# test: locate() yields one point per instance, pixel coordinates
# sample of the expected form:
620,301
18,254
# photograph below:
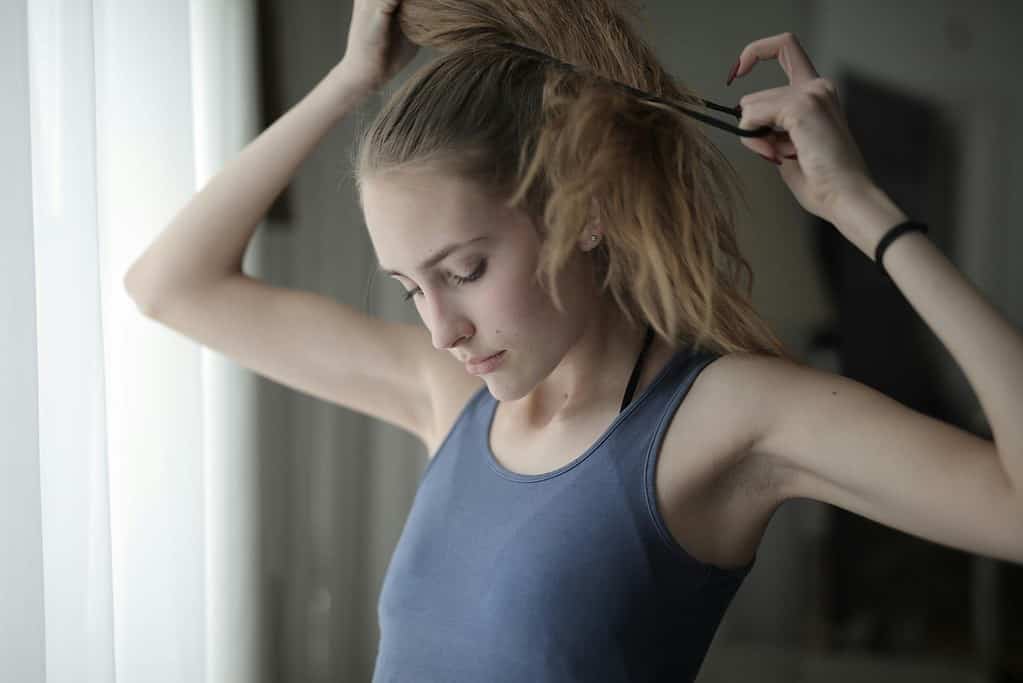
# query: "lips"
480,359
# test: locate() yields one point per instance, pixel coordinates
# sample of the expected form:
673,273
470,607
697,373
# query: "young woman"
610,423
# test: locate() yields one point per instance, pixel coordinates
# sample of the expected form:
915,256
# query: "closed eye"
472,277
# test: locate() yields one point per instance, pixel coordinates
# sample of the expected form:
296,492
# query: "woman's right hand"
377,47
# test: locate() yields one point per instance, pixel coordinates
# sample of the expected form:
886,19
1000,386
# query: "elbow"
137,295
130,282
131,289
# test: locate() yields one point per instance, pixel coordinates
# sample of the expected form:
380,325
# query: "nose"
447,326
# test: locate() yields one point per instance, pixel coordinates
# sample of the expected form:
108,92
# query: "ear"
595,227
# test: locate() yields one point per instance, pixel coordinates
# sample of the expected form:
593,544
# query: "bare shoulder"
726,408
716,493
450,388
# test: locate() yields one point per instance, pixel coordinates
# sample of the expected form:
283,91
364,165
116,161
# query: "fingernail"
766,158
793,156
735,69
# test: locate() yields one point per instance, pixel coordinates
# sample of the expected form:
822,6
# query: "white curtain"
129,549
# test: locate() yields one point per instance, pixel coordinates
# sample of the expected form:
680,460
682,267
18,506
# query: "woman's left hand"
828,164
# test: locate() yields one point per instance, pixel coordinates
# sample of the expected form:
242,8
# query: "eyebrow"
438,257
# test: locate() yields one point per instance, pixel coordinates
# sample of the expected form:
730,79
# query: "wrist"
865,216
346,86
357,75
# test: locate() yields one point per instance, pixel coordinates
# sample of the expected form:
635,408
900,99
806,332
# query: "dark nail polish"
735,69
791,156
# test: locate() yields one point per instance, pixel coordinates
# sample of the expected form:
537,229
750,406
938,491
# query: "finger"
782,144
774,145
779,143
765,110
768,94
786,49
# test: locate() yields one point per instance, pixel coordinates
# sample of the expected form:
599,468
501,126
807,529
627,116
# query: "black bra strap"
635,370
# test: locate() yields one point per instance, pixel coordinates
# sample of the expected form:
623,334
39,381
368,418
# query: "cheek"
508,303
513,309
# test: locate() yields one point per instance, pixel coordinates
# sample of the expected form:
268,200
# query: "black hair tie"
890,237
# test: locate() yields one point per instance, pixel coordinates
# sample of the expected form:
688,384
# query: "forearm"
981,340
208,237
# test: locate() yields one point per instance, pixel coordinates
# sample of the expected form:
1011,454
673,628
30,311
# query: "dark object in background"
272,105
892,592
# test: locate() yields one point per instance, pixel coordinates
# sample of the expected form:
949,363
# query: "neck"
592,375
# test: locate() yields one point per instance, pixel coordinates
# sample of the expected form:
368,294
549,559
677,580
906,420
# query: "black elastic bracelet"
890,237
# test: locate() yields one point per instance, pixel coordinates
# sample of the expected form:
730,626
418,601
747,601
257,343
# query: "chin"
501,391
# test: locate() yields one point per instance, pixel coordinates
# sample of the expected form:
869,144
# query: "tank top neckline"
491,411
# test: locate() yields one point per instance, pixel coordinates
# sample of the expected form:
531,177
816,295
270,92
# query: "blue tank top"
571,575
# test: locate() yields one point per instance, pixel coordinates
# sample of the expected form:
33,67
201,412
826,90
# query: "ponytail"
570,147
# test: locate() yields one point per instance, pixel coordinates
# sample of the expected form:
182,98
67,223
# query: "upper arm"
316,345
836,440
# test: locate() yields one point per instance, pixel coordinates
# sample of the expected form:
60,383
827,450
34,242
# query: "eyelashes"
472,277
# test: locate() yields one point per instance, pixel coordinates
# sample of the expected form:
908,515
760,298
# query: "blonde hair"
561,144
